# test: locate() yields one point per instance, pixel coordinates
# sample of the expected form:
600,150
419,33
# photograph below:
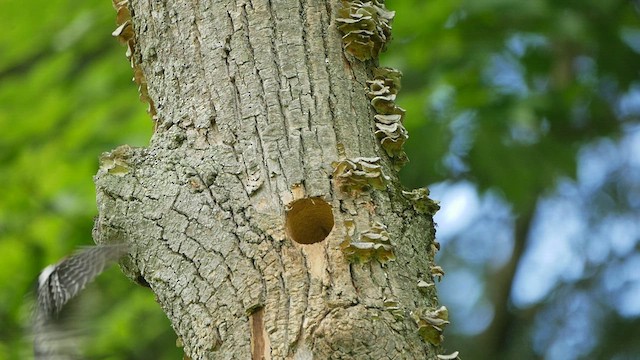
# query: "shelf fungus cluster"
392,305
421,201
359,174
437,272
366,27
388,119
125,35
431,323
371,244
116,162
452,356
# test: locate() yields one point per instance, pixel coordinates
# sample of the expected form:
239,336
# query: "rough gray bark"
254,100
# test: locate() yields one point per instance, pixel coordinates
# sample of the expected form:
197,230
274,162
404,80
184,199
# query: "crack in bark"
273,51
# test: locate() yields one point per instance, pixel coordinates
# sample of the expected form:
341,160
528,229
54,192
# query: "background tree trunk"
253,103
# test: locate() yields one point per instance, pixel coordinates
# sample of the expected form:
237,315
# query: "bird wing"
68,277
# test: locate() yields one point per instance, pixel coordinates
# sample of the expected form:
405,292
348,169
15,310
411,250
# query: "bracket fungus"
431,323
371,244
437,272
421,201
388,120
125,35
452,356
359,174
424,286
366,27
393,306
115,162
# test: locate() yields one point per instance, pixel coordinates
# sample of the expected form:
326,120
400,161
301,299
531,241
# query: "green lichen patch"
372,244
358,175
421,201
366,27
431,323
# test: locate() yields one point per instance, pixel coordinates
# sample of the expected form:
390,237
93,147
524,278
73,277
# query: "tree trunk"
264,214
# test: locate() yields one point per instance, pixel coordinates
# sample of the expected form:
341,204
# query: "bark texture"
254,101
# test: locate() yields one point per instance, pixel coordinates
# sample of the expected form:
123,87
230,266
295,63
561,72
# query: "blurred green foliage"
523,82
502,92
66,97
508,94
